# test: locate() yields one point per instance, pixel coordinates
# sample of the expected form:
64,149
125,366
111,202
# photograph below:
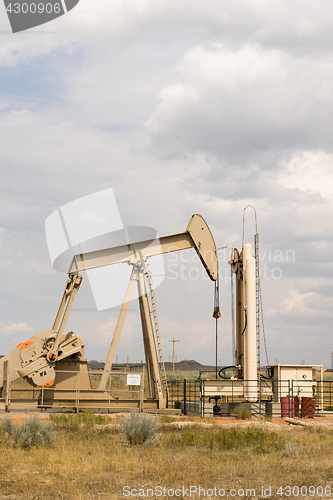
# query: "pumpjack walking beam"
197,236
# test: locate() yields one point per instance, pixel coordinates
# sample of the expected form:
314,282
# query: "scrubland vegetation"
90,457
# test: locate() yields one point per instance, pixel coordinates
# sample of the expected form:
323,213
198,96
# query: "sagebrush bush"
242,413
31,432
6,425
290,448
139,428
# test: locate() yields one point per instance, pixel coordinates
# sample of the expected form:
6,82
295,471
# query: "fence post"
6,385
202,398
109,381
185,411
78,391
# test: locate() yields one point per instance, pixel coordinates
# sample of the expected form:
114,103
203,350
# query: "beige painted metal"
250,338
239,323
246,338
204,245
6,384
153,369
32,361
302,378
223,387
71,288
246,253
157,328
38,359
197,236
118,329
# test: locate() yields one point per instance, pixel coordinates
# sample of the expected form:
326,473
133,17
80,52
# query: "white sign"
133,379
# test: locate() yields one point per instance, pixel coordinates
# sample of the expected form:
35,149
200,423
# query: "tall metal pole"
173,353
216,348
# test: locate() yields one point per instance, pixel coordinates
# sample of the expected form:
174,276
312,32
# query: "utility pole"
173,353
331,360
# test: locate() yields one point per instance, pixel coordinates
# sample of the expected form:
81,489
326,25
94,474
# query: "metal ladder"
157,331
256,250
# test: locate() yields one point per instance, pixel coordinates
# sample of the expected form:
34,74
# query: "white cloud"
104,332
15,328
306,305
237,98
309,171
236,103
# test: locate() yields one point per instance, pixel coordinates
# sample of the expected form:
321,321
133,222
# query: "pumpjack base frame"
96,405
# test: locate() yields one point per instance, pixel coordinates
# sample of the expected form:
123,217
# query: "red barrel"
289,406
308,407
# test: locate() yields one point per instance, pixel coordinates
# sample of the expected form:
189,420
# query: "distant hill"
187,365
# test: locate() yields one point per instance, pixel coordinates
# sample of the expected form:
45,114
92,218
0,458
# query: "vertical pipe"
250,340
240,309
239,322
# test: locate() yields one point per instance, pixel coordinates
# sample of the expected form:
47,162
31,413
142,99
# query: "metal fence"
324,395
75,390
273,398
263,397
270,398
185,395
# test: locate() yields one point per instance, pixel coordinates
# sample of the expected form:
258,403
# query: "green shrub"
6,425
73,422
89,419
242,413
166,419
257,440
139,428
32,432
101,420
290,448
69,423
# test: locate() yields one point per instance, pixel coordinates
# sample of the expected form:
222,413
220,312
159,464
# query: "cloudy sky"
180,107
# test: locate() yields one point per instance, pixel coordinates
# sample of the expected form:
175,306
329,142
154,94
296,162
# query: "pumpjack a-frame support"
197,236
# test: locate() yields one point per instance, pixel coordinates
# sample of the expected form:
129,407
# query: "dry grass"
89,461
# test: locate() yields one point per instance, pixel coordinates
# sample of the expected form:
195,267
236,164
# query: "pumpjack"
55,360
